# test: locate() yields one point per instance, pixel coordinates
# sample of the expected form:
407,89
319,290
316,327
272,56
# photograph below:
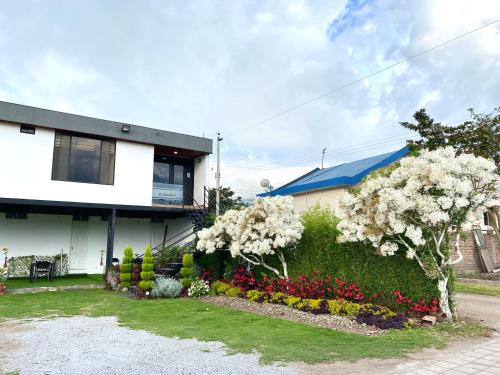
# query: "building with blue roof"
327,186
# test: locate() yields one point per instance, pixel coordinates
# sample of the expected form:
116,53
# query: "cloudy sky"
204,66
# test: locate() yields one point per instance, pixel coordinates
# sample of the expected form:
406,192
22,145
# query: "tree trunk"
444,300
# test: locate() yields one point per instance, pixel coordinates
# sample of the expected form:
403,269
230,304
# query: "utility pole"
323,157
217,177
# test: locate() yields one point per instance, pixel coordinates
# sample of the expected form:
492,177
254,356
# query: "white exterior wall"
200,178
326,198
26,170
49,234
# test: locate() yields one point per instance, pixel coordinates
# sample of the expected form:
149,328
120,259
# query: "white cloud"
199,67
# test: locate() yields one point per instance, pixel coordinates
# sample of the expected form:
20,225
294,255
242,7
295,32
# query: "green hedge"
318,251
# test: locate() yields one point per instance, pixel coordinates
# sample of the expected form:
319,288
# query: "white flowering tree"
255,232
416,206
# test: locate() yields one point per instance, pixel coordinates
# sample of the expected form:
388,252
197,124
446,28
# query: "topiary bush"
147,274
318,251
187,271
126,267
166,287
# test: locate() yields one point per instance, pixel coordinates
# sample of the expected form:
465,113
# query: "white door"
79,246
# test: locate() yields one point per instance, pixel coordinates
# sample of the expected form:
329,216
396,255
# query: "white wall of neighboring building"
50,234
326,198
26,171
200,178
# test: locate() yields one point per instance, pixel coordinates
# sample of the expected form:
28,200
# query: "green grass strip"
58,281
244,332
488,290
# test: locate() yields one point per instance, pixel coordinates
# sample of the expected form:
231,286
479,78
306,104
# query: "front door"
79,246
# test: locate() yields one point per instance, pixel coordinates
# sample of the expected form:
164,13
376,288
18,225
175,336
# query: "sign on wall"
168,193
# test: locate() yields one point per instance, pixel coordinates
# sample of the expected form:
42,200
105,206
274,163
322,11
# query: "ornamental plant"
166,287
147,274
254,233
126,267
416,205
198,288
187,270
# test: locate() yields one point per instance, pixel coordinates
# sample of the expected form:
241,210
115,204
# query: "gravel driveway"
83,345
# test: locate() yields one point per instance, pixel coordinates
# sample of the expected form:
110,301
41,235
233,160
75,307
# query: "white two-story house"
87,187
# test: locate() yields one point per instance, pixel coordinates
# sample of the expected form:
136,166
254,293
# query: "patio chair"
42,269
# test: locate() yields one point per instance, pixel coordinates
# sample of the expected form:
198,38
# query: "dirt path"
485,309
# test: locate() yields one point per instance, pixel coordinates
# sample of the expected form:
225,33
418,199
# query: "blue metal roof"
344,174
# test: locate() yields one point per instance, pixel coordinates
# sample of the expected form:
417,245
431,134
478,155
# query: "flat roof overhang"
90,209
22,114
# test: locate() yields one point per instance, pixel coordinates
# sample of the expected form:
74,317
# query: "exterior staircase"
202,216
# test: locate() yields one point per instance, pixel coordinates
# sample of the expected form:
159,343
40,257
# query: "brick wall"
471,262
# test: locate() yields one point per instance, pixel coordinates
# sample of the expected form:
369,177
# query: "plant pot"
3,287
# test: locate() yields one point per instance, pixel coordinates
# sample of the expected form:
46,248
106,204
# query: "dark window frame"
83,135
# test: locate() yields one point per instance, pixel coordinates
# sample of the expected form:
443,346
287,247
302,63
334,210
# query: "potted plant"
3,280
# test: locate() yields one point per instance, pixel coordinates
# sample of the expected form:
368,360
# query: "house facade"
327,186
86,188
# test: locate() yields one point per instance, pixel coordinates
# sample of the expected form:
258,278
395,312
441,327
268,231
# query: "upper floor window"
83,159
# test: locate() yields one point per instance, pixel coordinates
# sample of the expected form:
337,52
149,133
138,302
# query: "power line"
337,152
320,96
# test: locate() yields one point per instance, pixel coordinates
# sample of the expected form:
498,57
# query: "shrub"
255,296
318,251
167,255
147,274
242,278
233,292
166,287
343,307
126,267
278,297
381,317
292,301
187,271
219,287
198,288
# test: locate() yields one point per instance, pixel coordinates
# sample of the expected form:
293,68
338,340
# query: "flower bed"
378,316
326,296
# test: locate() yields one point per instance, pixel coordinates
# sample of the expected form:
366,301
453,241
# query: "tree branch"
283,263
457,249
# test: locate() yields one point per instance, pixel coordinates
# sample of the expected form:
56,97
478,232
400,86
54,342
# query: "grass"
275,339
58,281
489,290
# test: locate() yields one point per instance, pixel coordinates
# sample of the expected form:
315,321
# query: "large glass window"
161,173
83,159
168,183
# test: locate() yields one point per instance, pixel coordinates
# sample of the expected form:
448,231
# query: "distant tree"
479,136
228,199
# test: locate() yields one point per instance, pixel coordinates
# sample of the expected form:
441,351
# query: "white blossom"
417,204
265,227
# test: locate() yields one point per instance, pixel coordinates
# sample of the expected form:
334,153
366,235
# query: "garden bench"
42,269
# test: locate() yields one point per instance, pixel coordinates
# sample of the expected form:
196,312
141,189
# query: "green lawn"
275,339
489,290
58,281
